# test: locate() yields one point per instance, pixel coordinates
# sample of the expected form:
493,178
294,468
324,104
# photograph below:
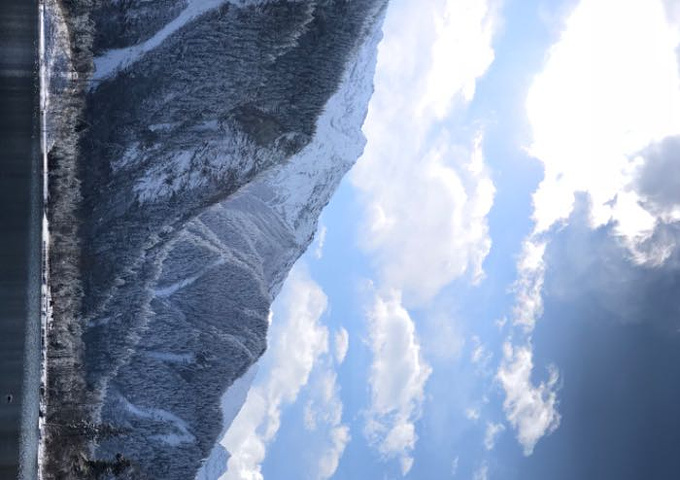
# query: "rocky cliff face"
209,136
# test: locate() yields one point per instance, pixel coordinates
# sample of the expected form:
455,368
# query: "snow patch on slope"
118,59
298,190
163,416
316,171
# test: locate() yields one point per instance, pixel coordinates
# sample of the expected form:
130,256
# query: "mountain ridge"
196,195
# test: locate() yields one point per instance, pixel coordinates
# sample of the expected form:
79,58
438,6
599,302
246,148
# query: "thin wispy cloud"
530,409
341,344
493,431
454,466
481,357
320,241
330,458
482,473
323,412
472,414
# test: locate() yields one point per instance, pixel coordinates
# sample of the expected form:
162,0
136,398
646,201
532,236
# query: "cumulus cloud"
297,340
672,11
530,409
658,179
603,97
427,219
589,267
461,53
341,344
397,379
425,192
426,197
493,431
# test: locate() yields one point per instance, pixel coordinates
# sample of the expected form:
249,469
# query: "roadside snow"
46,311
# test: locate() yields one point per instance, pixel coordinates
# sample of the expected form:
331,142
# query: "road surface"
20,238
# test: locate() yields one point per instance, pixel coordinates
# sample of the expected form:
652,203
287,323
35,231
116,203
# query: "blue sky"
492,286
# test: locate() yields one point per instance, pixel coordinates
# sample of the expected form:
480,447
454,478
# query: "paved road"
20,215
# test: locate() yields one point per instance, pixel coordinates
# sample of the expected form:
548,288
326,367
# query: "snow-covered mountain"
210,135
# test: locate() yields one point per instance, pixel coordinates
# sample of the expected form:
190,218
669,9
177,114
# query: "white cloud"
397,379
472,414
320,241
493,431
529,286
296,341
460,54
323,411
658,179
531,410
341,343
481,356
426,193
482,473
604,95
672,11
478,351
406,463
454,466
324,405
426,197
426,221
328,463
